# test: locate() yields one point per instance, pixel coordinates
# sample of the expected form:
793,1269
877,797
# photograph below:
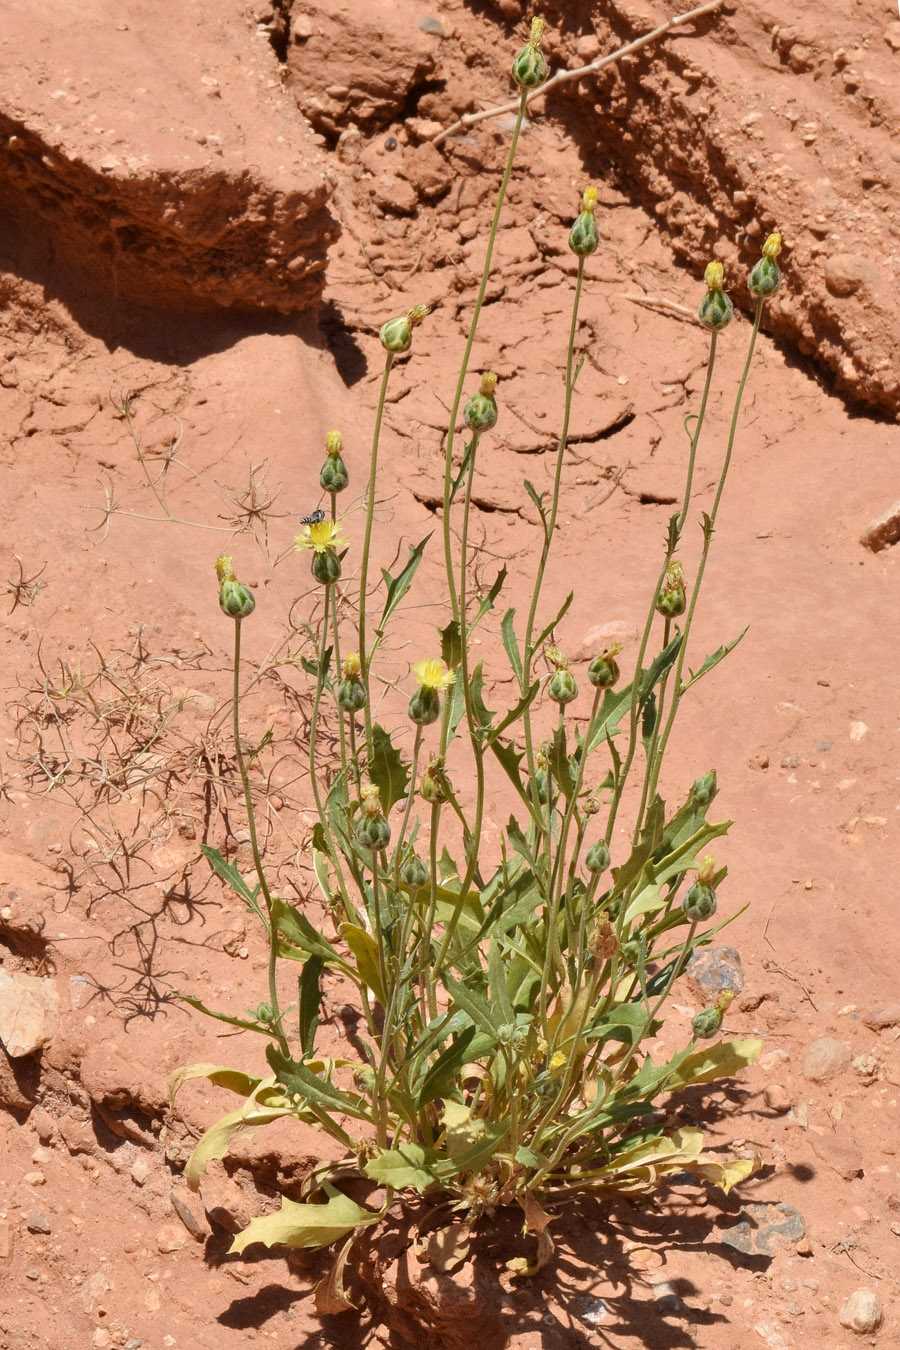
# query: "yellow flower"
772,246
322,536
589,199
432,675
351,666
714,276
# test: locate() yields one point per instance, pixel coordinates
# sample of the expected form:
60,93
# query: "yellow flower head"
714,276
371,800
772,246
707,869
555,658
225,567
589,200
322,536
333,443
537,32
351,666
432,675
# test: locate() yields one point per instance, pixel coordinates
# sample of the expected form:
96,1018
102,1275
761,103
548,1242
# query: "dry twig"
565,76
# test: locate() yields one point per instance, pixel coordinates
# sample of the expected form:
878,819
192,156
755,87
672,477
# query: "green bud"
326,566
716,311
542,783
583,236
603,672
264,1013
706,1024
424,706
351,695
333,475
480,413
373,832
671,600
236,600
700,902
414,874
396,334
705,789
530,66
597,859
562,687
765,278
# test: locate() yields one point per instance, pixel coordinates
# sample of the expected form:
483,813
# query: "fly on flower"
314,518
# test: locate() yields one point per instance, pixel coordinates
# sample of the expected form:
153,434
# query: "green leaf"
365,949
538,499
649,718
515,713
477,1155
658,667
442,1075
398,586
713,660
472,1003
230,1021
487,601
387,771
410,1165
510,643
510,760
229,873
297,1078
451,646
483,715
560,767
300,935
306,1225
497,977
310,997
560,614
722,1060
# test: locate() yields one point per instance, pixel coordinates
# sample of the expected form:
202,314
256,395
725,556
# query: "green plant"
507,1000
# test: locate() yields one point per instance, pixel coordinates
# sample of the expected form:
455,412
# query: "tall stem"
367,542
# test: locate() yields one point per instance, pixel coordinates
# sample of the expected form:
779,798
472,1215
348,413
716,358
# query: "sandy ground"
112,620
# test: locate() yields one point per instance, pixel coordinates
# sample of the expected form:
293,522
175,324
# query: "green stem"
272,935
367,542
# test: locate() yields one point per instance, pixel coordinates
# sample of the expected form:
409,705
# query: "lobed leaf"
306,1225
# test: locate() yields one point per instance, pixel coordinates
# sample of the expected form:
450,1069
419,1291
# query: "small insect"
313,519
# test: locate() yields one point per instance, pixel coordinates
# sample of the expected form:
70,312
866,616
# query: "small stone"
825,1058
713,969
880,1019
29,1012
187,1217
34,1178
591,1311
763,1228
778,1099
842,1155
862,1312
892,36
858,730
846,272
170,1238
140,1171
6,1241
429,24
771,1333
37,1221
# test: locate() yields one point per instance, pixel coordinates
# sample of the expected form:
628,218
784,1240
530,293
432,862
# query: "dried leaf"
330,1295
447,1247
520,1265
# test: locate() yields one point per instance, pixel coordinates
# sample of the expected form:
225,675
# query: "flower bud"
414,874
562,687
434,782
351,695
597,857
372,829
705,789
706,1024
530,66
583,236
326,566
542,783
700,902
480,413
396,334
235,599
424,707
333,475
716,311
603,672
765,278
671,600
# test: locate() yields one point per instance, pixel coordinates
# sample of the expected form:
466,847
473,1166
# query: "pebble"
29,1012
37,1221
778,1099
591,1311
763,1228
846,272
825,1058
34,1178
713,969
862,1312
881,1019
170,1238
